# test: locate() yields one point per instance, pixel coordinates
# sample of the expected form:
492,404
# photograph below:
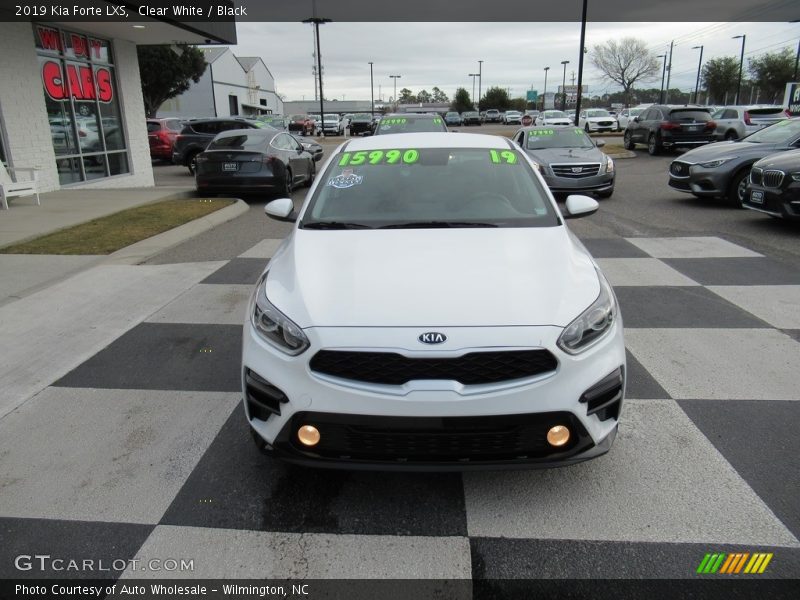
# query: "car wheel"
288,184
586,127
653,147
738,187
193,163
731,136
311,174
627,141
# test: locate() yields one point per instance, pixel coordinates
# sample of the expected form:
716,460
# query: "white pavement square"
662,481
778,305
263,249
232,554
642,271
207,303
104,455
691,247
24,272
719,364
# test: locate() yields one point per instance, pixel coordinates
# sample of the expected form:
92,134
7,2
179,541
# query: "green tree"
720,76
167,71
771,72
520,104
406,97
439,96
625,62
424,96
495,97
461,101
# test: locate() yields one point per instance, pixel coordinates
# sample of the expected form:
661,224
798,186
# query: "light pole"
663,74
741,63
480,81
564,86
544,93
473,75
395,77
371,92
699,65
317,21
582,51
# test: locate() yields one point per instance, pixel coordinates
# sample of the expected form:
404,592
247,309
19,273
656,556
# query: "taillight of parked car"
668,125
747,120
711,125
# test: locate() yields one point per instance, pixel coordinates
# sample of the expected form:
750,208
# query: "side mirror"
600,143
579,206
317,157
281,209
635,119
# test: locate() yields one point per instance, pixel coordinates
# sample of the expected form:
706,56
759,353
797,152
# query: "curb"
626,154
143,250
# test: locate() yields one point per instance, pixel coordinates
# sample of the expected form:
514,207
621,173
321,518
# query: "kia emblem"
432,337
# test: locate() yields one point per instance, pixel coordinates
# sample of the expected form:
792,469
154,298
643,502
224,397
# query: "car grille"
679,169
435,439
389,368
756,176
576,170
773,179
605,123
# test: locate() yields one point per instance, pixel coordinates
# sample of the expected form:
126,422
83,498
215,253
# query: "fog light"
558,436
309,435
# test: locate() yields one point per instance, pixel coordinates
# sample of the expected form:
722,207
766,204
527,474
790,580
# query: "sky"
514,54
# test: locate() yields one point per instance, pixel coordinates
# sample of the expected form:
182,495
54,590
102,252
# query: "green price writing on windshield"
377,157
399,121
505,157
541,132
437,121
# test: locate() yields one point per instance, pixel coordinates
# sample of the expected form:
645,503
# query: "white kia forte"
431,310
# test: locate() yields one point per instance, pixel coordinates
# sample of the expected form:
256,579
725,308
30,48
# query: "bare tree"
625,62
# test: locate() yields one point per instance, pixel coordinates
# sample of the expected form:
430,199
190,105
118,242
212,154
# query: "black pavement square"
691,306
65,541
736,271
792,333
613,248
759,438
166,356
238,271
236,487
640,385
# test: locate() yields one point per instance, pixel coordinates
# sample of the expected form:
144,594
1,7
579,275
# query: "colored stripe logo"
734,563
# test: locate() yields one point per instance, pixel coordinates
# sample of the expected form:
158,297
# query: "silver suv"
735,122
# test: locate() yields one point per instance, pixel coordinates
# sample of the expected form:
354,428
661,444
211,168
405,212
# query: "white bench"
16,187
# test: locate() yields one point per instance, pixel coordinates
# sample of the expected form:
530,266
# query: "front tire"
193,163
653,146
312,172
738,187
627,141
731,136
288,185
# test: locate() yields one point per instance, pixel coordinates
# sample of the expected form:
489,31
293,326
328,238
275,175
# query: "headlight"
593,323
610,165
273,325
713,164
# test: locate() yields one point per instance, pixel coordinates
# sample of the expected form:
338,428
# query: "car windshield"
598,113
558,138
331,117
429,187
242,141
470,114
554,114
410,123
451,114
781,132
362,117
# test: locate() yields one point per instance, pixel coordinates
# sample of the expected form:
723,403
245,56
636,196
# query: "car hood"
787,161
432,277
725,149
594,119
566,155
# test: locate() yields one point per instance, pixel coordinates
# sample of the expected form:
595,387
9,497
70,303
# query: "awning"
259,107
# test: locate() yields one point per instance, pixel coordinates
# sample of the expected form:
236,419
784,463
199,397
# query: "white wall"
197,101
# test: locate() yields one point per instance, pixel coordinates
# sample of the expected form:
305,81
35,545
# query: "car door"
641,128
295,156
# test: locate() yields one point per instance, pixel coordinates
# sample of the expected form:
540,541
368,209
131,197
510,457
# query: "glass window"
245,141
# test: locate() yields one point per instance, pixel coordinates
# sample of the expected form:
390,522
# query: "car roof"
256,131
545,128
428,139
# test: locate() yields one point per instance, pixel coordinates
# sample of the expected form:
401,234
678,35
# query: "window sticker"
505,157
346,179
379,157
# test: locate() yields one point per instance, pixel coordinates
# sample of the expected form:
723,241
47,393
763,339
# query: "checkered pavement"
139,447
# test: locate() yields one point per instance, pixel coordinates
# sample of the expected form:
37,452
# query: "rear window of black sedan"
241,141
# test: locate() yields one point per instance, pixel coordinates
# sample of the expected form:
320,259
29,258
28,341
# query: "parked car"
493,116
597,119
161,134
626,116
512,117
736,122
361,124
483,116
722,169
310,146
253,160
774,185
275,121
198,133
552,118
569,160
301,124
332,125
407,123
666,127
452,118
426,365
471,117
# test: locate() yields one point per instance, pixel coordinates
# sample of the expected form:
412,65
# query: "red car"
302,124
162,133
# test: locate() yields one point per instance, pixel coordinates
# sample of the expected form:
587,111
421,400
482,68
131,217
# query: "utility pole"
473,75
544,93
480,81
741,63
580,64
371,91
564,86
699,65
395,77
317,21
669,72
663,74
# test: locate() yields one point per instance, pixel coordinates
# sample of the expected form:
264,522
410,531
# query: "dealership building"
71,97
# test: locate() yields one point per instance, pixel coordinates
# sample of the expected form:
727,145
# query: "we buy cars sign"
81,81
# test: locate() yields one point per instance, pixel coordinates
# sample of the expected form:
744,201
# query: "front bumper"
700,181
416,425
596,184
778,202
609,126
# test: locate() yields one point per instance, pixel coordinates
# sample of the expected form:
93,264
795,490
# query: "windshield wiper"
333,225
436,225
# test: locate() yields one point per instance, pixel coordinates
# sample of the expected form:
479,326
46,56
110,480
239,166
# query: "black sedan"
569,160
252,161
720,170
774,185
